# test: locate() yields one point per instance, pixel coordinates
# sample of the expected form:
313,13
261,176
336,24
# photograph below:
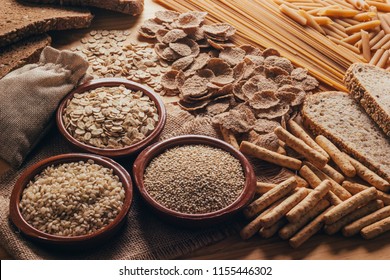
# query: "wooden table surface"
319,247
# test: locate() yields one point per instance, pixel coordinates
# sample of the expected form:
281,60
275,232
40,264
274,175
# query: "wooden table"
319,247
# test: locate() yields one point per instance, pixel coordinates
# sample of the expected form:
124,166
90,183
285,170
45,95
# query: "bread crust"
132,7
37,19
365,98
318,129
23,52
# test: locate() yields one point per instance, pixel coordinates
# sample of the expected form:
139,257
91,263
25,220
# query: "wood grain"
319,247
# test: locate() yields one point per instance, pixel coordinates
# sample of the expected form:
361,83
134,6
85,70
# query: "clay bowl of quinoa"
194,181
71,200
111,117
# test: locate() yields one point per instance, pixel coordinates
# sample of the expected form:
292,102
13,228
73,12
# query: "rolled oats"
110,117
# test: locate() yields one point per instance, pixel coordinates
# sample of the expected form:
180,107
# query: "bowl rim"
28,174
145,157
112,82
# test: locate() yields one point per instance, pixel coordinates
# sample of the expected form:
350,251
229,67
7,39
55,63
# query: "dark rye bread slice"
370,85
132,7
23,52
19,20
339,117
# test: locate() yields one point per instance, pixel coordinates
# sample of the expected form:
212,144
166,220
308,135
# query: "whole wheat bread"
339,117
19,20
132,7
370,85
23,52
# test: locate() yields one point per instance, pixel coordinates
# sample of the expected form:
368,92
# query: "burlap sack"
29,97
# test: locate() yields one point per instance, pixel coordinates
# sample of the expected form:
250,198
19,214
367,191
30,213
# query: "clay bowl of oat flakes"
72,201
194,181
111,117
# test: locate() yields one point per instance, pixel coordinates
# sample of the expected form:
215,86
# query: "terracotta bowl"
194,220
121,152
71,241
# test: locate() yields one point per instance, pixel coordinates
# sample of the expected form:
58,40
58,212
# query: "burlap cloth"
144,235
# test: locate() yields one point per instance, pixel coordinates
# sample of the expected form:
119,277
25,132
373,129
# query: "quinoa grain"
194,179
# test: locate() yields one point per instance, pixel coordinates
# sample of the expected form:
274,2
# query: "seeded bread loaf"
339,117
23,52
132,7
370,85
19,20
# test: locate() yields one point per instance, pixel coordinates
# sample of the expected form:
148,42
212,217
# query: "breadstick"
278,212
349,205
363,25
309,176
299,132
365,45
376,229
262,188
314,181
356,226
250,229
338,157
270,231
301,147
338,190
301,183
333,199
267,155
281,151
309,230
370,177
308,202
229,137
359,213
355,188
270,197
333,173
293,14
290,229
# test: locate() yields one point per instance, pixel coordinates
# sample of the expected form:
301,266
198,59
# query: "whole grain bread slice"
339,117
132,7
23,52
370,86
19,20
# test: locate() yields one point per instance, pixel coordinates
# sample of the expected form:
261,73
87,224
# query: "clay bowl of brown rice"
194,181
71,200
112,117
